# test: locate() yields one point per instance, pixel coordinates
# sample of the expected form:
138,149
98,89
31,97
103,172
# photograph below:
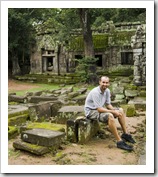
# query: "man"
98,106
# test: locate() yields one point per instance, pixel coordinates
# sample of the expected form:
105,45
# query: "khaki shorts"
101,117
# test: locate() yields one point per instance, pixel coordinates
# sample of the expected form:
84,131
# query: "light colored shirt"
96,99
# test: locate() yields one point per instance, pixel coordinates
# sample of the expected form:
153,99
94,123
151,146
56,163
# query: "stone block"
139,102
43,137
130,111
16,110
16,98
34,149
40,112
12,132
68,112
18,120
37,99
72,130
87,129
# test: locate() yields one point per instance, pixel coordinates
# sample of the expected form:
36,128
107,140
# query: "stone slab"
68,112
35,149
72,109
43,137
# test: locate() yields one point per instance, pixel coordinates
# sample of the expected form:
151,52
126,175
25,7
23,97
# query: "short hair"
102,77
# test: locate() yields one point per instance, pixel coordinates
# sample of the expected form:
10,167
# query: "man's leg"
112,126
126,136
122,120
109,118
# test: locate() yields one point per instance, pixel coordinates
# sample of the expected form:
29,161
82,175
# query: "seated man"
98,106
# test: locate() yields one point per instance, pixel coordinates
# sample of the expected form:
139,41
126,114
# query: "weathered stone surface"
72,95
37,99
44,125
55,106
15,110
35,149
40,112
117,90
72,130
12,132
68,112
82,90
18,120
43,137
16,98
80,100
139,102
131,93
119,96
87,129
130,111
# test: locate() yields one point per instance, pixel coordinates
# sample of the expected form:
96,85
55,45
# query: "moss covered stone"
12,132
18,120
131,111
45,125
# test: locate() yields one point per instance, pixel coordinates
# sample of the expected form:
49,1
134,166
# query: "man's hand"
116,113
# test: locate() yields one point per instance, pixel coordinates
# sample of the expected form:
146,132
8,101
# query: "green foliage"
86,67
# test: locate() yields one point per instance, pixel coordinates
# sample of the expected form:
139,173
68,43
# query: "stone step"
43,137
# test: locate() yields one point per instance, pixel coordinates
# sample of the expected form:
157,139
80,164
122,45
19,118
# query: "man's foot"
127,137
122,145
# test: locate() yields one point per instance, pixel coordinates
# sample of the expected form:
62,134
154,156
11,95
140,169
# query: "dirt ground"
98,151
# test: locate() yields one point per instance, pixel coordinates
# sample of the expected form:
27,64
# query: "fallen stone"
16,98
37,99
68,112
35,149
43,137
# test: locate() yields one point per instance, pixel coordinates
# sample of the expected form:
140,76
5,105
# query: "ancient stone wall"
138,43
111,42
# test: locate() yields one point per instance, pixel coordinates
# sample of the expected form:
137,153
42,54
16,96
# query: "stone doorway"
48,64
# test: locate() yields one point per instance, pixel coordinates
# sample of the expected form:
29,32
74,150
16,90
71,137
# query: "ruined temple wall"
36,62
138,43
110,45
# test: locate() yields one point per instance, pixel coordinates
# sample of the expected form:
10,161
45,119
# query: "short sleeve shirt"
96,99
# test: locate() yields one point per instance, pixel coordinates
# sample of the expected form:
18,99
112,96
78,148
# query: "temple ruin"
121,44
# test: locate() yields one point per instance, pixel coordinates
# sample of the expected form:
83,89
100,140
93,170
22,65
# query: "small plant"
87,69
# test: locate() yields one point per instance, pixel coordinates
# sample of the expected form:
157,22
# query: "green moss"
13,103
46,125
103,40
142,93
130,111
18,120
18,113
12,132
130,87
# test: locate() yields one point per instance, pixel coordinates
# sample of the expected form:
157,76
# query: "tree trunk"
15,66
87,32
88,43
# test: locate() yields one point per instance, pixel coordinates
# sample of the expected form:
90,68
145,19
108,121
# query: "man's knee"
121,110
111,118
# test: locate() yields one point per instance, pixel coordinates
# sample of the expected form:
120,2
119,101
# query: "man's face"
104,83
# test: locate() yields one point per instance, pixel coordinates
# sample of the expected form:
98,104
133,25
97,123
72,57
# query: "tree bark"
88,43
15,66
87,32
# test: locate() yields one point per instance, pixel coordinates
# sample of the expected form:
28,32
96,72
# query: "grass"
43,87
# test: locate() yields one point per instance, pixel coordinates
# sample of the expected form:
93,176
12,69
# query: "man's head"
104,83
